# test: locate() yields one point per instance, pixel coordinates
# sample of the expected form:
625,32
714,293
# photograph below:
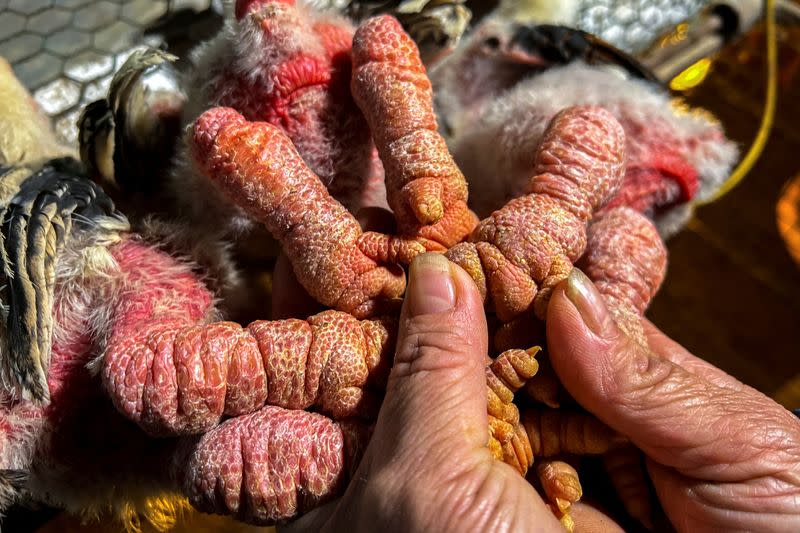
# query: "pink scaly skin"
258,168
424,187
269,466
627,261
173,373
522,251
79,451
291,67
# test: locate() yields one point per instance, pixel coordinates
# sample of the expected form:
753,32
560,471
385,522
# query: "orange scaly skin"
424,187
554,432
175,374
562,488
508,440
257,166
522,251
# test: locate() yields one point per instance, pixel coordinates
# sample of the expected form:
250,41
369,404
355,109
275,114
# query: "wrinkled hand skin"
269,466
258,168
425,189
522,251
174,373
626,259
721,455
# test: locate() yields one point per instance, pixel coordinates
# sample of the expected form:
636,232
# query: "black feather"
34,228
14,479
561,45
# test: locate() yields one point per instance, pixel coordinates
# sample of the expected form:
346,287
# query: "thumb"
671,414
436,392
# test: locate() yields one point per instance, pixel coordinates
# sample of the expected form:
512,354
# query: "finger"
676,417
667,348
436,392
589,519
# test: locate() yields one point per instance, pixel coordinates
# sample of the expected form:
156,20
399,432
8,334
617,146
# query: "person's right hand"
721,455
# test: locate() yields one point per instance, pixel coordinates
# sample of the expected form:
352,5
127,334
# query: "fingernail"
590,304
430,285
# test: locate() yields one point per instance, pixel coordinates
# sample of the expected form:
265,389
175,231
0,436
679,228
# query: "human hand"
721,455
427,467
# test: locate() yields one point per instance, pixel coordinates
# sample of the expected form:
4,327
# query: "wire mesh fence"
65,51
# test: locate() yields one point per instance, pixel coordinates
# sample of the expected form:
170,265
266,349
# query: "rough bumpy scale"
174,373
424,187
523,250
504,376
257,166
270,465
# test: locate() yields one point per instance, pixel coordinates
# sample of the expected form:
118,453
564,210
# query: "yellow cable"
767,119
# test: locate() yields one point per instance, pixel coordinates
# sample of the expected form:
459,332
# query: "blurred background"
732,294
